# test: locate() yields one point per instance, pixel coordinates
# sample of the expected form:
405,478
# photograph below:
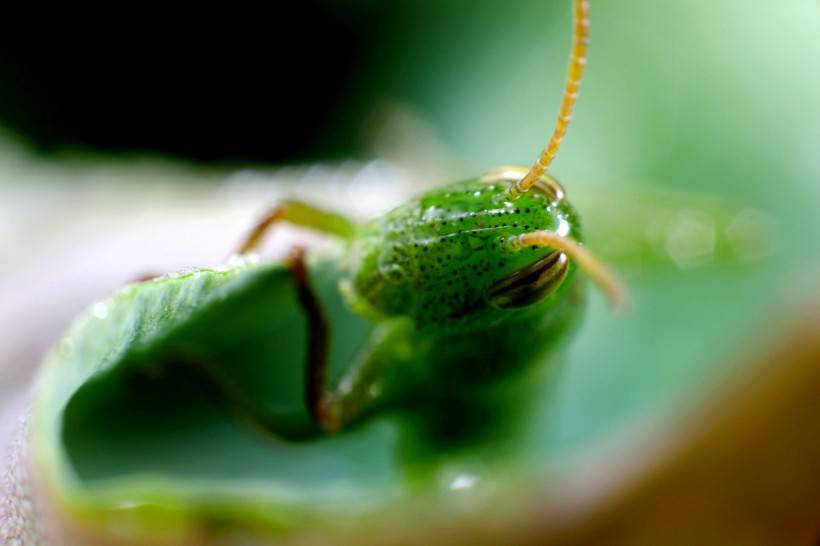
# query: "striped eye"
533,283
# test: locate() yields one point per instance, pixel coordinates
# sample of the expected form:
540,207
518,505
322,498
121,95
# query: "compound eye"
531,284
511,174
549,185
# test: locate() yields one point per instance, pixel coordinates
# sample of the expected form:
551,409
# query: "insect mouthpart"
531,284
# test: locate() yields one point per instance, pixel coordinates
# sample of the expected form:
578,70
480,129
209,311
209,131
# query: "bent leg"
371,380
317,339
299,214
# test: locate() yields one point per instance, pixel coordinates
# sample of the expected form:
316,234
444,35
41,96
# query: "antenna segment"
577,62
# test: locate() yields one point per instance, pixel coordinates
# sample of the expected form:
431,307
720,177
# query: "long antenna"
577,62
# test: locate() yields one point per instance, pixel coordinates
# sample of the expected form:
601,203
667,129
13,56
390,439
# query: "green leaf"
119,420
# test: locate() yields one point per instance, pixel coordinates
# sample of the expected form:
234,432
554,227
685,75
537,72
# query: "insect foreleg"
367,378
317,339
300,214
370,379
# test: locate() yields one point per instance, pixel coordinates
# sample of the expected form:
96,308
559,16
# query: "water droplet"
463,481
100,310
690,241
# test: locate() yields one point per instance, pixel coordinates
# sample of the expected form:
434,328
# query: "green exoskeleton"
466,279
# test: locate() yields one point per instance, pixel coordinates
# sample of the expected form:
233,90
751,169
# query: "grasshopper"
464,277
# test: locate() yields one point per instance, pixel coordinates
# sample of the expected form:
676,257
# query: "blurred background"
694,158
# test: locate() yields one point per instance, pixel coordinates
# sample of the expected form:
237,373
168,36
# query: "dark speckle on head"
435,257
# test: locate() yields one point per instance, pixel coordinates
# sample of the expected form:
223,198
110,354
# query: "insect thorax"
435,257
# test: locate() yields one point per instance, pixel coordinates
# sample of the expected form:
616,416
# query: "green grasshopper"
464,279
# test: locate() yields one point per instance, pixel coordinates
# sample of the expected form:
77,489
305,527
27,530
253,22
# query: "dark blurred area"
263,89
